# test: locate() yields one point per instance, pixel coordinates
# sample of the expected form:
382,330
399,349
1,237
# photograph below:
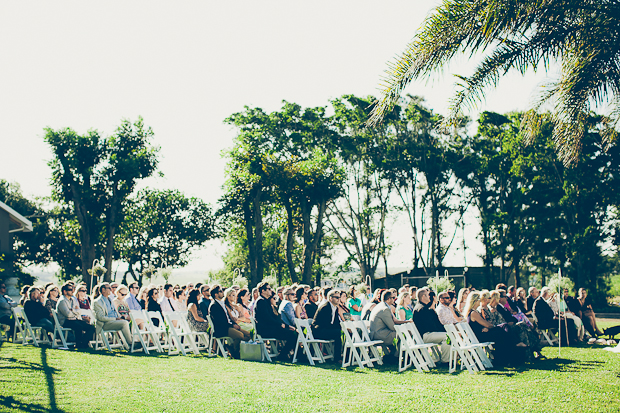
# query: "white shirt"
168,304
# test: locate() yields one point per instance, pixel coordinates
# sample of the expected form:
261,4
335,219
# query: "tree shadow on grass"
12,403
49,377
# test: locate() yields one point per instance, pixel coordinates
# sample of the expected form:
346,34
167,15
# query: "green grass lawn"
41,379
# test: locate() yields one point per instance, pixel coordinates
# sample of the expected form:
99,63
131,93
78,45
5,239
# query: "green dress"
408,312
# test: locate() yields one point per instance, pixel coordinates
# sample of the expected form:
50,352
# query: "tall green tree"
583,36
94,176
161,228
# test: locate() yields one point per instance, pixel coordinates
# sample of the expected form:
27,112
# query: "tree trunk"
290,232
249,233
110,232
311,242
258,236
86,234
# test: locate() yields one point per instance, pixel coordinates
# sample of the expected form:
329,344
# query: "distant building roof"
18,222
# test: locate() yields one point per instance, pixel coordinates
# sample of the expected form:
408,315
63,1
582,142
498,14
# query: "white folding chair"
159,332
180,336
547,333
61,332
201,338
138,335
461,351
433,350
110,339
411,351
219,341
356,348
365,336
24,332
310,345
269,346
469,338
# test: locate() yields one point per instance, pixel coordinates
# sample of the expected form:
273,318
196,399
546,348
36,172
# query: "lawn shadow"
49,377
12,403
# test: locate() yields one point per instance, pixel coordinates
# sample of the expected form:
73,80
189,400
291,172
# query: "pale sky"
186,66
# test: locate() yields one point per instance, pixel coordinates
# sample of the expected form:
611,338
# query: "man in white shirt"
326,323
167,302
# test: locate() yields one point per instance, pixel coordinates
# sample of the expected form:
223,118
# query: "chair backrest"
415,334
177,321
156,315
404,334
55,315
304,329
362,327
469,337
20,316
455,336
134,316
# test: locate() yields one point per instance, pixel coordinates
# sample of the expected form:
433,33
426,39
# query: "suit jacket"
530,303
323,319
311,309
267,322
544,314
220,319
64,311
381,322
101,312
426,320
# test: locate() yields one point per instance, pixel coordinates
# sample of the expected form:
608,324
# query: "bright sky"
186,66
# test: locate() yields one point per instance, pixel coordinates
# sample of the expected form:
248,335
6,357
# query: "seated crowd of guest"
505,315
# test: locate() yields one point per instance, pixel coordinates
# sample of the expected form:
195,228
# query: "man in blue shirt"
132,301
286,307
205,300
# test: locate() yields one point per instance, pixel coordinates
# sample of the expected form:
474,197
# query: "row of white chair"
174,335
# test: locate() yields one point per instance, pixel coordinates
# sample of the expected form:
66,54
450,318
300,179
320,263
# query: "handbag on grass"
250,351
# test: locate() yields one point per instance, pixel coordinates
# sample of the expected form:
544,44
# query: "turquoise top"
351,303
408,312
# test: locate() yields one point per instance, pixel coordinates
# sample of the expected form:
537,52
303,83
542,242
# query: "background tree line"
304,183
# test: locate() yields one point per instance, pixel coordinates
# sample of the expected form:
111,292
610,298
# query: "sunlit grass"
41,379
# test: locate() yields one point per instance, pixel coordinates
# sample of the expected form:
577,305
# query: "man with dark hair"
311,306
205,299
326,323
167,302
132,297
6,308
382,321
222,324
428,324
269,325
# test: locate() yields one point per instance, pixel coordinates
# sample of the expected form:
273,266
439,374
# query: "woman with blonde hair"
485,331
403,307
230,300
119,302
